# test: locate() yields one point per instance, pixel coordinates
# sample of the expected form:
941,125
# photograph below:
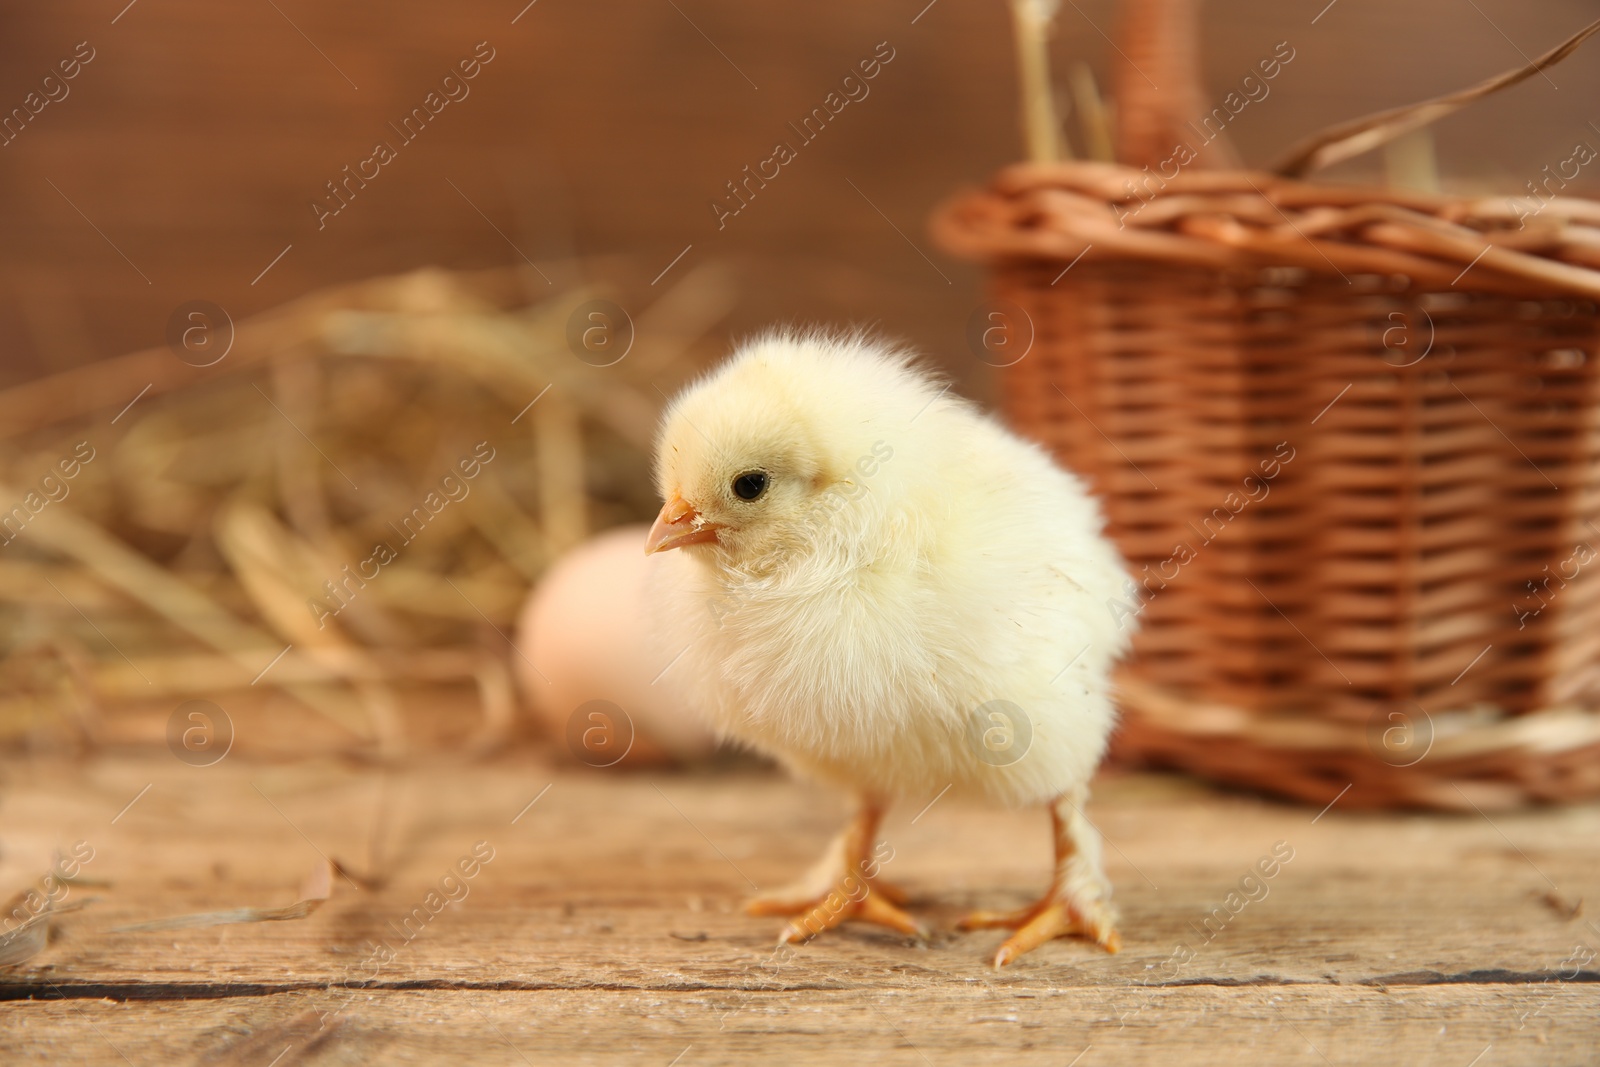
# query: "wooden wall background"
198,136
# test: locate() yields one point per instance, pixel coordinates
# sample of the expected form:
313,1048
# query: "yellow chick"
886,590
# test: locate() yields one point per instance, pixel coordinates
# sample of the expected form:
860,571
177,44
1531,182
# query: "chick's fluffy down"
913,562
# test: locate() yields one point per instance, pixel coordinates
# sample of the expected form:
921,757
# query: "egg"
587,666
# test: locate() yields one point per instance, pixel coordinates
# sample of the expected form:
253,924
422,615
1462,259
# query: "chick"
886,590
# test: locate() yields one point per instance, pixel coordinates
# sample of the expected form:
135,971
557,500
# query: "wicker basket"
1349,441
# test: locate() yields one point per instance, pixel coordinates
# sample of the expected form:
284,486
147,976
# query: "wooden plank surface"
606,929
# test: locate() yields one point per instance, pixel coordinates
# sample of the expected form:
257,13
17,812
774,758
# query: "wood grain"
606,927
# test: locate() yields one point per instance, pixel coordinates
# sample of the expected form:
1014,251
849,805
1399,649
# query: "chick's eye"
750,484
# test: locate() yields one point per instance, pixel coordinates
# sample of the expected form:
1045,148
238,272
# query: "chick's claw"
836,907
1054,920
997,920
1046,921
800,897
889,891
843,885
1078,902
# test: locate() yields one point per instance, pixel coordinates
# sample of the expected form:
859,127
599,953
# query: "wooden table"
606,928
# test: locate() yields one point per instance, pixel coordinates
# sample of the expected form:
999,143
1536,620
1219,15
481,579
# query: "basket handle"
1348,139
1158,88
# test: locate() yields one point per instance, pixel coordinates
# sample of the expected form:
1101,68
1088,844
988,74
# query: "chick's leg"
843,884
1079,898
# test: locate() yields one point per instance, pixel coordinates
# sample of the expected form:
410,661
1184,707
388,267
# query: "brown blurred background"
198,137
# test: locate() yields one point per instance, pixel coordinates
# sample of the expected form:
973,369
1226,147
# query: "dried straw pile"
370,449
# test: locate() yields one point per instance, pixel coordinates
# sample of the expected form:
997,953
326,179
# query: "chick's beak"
678,525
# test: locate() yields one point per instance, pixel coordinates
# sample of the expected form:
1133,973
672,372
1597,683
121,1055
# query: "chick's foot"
842,885
1078,902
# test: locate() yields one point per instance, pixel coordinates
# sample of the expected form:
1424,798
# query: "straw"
189,555
1041,131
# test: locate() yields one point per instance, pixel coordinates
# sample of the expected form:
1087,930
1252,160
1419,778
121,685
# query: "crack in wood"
131,991
126,991
1491,976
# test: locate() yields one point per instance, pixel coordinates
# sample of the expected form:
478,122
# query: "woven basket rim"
1250,219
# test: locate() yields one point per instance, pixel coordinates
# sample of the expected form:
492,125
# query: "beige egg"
589,668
